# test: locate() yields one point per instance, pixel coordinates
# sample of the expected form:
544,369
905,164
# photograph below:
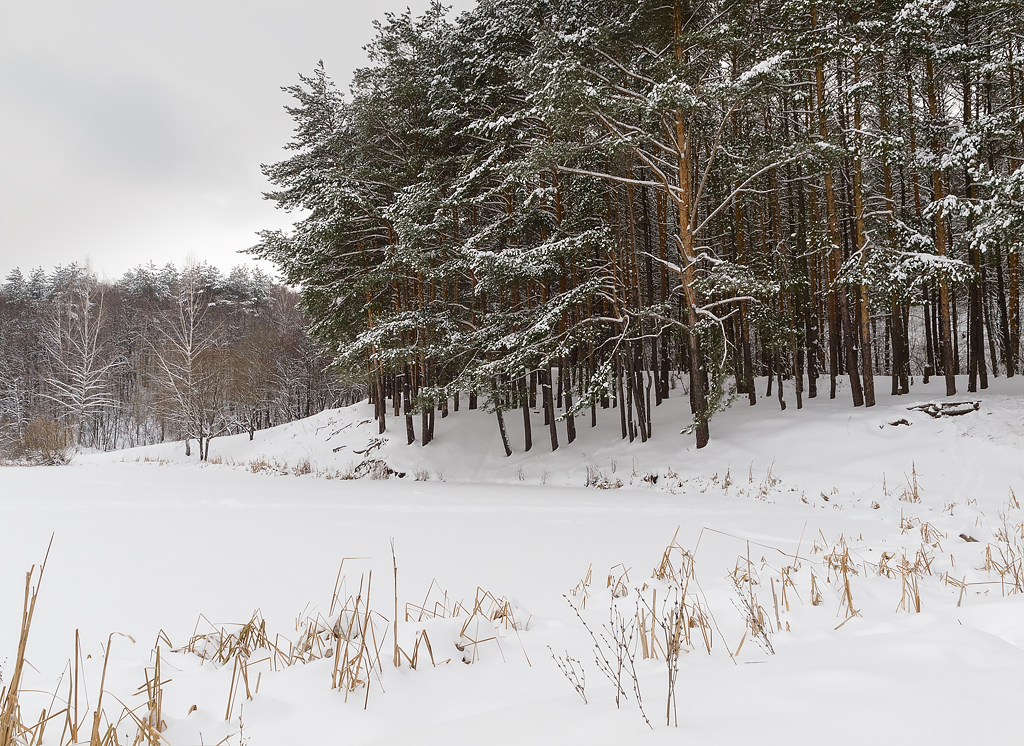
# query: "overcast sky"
133,130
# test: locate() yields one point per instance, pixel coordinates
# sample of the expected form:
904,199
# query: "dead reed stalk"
11,727
912,492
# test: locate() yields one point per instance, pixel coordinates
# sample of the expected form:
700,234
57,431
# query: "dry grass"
581,591
910,575
676,566
356,650
158,460
13,732
47,441
481,621
368,467
263,465
757,624
911,493
842,567
1006,556
678,616
661,625
661,619
599,480
222,645
769,483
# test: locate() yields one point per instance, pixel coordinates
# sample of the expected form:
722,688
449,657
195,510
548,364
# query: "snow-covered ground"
811,537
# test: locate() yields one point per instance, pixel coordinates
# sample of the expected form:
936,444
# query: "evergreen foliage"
599,198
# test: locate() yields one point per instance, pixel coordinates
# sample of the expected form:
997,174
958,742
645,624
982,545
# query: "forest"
160,354
584,203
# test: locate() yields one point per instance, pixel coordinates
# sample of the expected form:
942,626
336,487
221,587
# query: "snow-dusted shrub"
599,480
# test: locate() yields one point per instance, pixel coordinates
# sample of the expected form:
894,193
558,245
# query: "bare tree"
190,366
78,380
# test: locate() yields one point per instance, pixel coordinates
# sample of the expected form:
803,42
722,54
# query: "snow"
146,540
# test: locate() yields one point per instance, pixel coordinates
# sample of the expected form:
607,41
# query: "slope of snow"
825,445
782,502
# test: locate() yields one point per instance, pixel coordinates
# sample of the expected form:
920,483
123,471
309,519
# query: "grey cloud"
133,130
127,125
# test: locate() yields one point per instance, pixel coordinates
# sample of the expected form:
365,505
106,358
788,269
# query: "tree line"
588,200
160,354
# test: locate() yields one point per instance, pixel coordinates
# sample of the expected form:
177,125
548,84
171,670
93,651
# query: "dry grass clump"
1006,556
676,566
44,441
348,635
368,467
16,731
756,621
911,493
678,616
931,535
581,591
769,483
842,567
223,644
670,615
264,465
660,625
680,613
480,621
599,480
356,650
354,634
159,460
909,566
13,731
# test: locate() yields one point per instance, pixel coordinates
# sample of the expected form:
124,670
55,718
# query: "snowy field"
834,578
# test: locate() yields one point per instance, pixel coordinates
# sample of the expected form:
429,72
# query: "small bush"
47,441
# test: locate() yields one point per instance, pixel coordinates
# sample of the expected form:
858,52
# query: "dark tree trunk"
748,358
496,402
570,419
954,339
778,373
666,362
929,365
549,406
618,395
410,431
986,307
698,390
1004,326
527,427
850,336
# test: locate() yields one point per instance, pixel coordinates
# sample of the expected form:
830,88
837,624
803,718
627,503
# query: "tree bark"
549,405
527,426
